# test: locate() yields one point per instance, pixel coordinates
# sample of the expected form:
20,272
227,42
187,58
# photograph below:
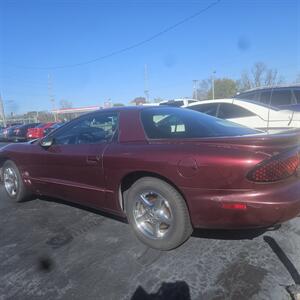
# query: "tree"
118,104
224,88
260,75
202,92
139,100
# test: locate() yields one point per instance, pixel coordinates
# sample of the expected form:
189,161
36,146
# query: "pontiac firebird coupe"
168,170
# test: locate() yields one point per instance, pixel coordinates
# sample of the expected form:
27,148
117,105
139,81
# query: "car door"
72,167
240,115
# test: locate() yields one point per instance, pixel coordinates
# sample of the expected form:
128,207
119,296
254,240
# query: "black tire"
22,192
181,227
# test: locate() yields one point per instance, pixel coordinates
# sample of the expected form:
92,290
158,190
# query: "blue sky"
37,36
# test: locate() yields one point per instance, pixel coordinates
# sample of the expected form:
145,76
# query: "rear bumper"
271,205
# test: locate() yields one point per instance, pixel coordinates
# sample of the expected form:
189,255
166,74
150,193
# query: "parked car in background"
282,97
52,127
2,134
20,133
166,169
8,133
177,102
249,114
39,131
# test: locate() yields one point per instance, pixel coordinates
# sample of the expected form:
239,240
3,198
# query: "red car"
38,131
168,170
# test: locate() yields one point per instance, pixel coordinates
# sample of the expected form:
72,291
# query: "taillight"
277,168
234,205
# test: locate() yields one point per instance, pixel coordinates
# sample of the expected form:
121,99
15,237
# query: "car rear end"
3,135
11,132
38,132
21,132
256,183
53,127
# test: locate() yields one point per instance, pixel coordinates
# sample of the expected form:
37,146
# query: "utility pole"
146,88
195,89
2,112
51,96
213,84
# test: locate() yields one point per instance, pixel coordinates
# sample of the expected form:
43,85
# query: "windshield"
170,123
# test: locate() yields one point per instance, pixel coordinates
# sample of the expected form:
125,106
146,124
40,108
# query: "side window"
297,95
265,97
281,97
231,111
247,96
209,109
89,130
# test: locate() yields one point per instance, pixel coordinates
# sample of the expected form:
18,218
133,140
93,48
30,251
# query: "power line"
133,46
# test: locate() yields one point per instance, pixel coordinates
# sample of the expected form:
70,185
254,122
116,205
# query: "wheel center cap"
152,217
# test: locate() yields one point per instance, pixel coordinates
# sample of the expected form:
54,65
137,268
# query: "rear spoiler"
283,140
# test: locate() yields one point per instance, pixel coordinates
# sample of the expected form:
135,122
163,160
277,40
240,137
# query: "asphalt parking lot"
52,250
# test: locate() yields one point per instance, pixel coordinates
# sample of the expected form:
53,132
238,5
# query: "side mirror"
46,143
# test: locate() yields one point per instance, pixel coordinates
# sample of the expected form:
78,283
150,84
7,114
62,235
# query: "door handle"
93,160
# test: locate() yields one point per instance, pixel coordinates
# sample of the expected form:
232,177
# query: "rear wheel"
157,213
13,183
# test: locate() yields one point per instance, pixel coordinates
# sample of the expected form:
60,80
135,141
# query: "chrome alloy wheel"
11,184
153,215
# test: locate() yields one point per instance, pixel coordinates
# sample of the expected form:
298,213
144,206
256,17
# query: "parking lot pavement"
51,250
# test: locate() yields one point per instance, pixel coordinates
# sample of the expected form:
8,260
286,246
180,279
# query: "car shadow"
167,291
219,234
226,234
85,208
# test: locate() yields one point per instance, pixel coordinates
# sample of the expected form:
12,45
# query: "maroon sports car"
166,169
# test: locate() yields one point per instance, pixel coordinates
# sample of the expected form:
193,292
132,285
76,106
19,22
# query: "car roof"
243,103
130,108
277,87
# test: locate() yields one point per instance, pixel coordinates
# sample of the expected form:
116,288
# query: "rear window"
169,123
209,109
231,111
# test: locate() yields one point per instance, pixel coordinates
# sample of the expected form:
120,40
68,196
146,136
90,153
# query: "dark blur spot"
243,43
45,264
169,60
60,240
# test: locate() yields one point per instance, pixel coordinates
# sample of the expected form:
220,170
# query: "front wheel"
13,183
157,213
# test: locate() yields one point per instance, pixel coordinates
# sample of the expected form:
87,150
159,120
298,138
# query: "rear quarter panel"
187,166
